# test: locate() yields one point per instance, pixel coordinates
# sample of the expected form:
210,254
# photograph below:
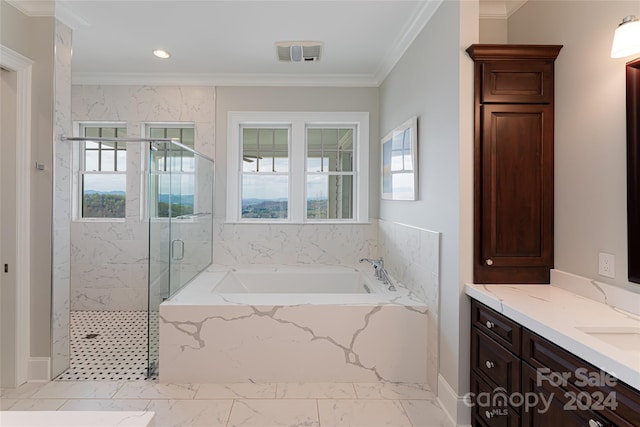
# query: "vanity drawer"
503,330
623,404
555,408
498,365
491,405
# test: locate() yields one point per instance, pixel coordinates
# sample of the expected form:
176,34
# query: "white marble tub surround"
557,314
291,337
412,255
313,243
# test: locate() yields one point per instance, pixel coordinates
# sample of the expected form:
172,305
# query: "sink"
625,338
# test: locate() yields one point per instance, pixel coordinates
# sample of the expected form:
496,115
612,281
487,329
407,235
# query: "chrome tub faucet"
380,273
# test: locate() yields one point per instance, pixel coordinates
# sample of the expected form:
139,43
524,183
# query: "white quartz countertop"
558,315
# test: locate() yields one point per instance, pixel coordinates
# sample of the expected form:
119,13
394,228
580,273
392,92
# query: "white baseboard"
39,369
453,405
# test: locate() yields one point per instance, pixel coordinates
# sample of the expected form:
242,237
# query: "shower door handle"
177,250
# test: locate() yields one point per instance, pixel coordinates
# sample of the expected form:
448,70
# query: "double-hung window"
265,172
172,189
298,167
102,172
330,172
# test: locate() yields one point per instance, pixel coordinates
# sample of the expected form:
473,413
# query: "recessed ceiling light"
162,54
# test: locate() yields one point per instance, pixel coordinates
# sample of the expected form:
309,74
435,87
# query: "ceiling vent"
299,51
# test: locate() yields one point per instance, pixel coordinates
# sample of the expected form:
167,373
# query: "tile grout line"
233,403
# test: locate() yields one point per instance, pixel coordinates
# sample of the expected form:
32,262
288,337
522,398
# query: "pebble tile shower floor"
107,346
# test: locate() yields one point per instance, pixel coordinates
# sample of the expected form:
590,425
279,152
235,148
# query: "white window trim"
298,122
78,169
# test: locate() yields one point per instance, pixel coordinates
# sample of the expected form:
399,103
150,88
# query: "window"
298,167
102,173
172,190
330,172
265,173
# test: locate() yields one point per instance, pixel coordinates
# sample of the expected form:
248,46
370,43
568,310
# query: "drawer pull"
595,423
490,364
488,261
490,325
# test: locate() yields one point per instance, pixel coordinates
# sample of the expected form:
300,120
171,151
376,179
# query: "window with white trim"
102,172
298,167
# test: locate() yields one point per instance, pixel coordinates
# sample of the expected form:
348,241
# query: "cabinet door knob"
488,261
490,324
595,423
489,364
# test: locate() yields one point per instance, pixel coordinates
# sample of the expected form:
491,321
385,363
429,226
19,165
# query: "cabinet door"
516,194
521,82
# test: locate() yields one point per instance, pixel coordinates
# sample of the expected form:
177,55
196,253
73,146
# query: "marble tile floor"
230,405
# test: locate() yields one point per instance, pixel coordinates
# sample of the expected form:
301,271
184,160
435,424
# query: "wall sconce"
626,40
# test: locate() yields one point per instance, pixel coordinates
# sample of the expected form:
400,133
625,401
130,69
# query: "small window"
172,189
298,167
102,169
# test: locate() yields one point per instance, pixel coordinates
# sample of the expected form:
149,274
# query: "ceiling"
233,42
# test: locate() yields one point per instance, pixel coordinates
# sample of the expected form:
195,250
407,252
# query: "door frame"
23,66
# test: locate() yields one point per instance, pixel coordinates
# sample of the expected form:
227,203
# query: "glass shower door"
191,216
180,206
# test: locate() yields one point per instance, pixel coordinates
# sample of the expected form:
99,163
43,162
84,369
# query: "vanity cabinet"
511,365
513,162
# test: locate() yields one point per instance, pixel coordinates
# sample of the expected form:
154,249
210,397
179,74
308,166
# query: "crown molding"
192,79
71,19
59,9
34,7
423,14
499,9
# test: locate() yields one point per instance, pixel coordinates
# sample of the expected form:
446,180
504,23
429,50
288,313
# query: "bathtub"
292,324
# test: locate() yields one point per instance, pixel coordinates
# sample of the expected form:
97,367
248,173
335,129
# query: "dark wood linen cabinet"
513,162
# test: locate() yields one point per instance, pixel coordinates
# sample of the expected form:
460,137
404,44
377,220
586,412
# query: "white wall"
433,80
590,137
493,30
33,37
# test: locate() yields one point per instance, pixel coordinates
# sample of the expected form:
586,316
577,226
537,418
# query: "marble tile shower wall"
109,259
62,201
412,256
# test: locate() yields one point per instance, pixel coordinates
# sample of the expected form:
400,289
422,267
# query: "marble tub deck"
270,338
227,405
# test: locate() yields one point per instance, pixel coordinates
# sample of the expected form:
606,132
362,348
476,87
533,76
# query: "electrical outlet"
607,265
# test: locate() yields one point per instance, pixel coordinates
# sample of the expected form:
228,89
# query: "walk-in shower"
133,223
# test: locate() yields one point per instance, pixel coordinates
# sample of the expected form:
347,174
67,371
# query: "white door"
8,291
